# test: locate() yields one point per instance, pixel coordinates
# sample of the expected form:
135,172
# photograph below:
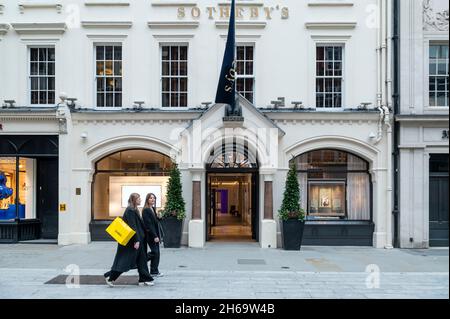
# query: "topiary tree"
175,205
290,208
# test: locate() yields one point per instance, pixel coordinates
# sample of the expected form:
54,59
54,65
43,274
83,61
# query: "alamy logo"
373,277
73,279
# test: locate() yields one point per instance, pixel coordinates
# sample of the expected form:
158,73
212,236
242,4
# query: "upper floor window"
174,75
329,76
108,75
42,76
438,78
245,72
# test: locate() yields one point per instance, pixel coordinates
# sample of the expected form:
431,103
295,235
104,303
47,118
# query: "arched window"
334,185
120,174
232,155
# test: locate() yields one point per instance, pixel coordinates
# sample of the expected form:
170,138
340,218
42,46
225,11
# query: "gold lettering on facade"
211,10
254,12
239,12
224,12
268,11
195,12
285,13
181,13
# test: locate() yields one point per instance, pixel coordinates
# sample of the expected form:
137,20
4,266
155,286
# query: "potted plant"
291,214
174,211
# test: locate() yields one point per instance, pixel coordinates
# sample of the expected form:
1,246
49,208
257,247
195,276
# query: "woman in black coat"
154,233
134,254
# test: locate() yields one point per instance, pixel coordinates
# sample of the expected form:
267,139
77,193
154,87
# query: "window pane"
42,83
109,84
444,52
240,53
173,99
42,54
166,84
100,99
249,68
432,98
320,100
249,97
100,68
118,84
174,68
442,69
320,87
51,97
165,53
165,68
183,68
174,85
240,86
51,84
108,53
118,68
338,53
434,51
165,99
183,99
174,53
337,100
328,100
320,69
249,53
441,84
108,68
183,84
320,53
118,99
337,68
328,85
117,53
183,53
337,85
34,54
34,97
100,84
329,68
42,97
51,68
240,68
442,99
109,99
34,69
42,68
329,53
100,53
34,83
433,68
51,54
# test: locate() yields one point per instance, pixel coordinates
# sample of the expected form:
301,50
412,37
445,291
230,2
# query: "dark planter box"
172,228
292,233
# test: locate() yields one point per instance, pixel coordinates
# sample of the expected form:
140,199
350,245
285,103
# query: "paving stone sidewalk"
223,271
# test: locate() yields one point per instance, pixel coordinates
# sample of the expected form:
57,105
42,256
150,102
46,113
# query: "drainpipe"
396,104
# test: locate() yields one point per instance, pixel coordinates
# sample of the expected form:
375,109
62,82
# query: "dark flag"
226,89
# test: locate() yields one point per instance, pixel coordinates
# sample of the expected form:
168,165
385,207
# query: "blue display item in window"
5,191
10,213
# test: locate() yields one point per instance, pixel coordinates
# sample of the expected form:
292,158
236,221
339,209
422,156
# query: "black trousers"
154,256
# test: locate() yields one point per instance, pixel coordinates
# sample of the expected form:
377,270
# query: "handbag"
120,231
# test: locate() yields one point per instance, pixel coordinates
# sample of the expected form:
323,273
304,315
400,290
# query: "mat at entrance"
92,280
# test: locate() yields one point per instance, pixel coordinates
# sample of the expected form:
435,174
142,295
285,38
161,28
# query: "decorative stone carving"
434,20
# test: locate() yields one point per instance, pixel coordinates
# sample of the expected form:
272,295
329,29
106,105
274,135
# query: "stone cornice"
39,5
3,28
125,118
242,24
6,115
166,3
173,24
107,24
106,3
330,3
423,118
331,25
323,117
39,28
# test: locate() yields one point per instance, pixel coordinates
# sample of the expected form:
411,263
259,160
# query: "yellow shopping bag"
120,231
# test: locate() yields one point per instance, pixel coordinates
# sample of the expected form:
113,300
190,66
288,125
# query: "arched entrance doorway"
232,195
118,175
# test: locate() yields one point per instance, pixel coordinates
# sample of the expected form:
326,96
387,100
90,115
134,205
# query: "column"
268,238
196,236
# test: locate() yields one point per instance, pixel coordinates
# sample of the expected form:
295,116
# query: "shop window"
334,185
17,177
131,171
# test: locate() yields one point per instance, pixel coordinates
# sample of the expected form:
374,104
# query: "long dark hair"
146,204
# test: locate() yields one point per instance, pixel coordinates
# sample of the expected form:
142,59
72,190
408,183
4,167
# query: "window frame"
95,76
342,45
429,43
253,76
161,76
29,76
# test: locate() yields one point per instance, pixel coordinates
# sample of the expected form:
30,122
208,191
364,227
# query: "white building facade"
314,79
423,123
